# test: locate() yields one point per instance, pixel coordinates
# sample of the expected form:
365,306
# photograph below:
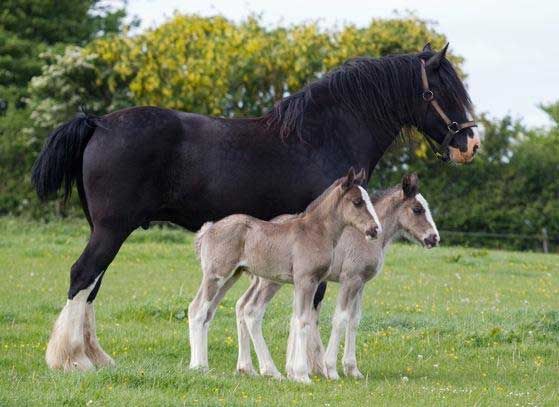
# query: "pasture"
450,326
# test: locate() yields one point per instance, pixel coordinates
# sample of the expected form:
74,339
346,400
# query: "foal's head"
414,216
355,205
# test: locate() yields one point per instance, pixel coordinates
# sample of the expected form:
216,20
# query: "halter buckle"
453,127
428,95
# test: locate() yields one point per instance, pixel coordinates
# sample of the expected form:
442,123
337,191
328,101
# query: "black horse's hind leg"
73,344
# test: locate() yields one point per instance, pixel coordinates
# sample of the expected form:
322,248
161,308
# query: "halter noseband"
453,127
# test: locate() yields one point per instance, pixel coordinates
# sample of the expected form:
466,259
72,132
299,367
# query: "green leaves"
211,65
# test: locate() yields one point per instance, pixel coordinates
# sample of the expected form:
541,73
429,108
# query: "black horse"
148,164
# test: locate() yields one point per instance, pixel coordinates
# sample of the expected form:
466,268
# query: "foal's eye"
358,202
418,210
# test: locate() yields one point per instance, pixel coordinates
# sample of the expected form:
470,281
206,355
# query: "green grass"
450,326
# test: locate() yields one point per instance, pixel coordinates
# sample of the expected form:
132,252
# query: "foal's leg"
302,307
347,293
200,313
350,359
244,359
316,348
290,353
253,314
67,345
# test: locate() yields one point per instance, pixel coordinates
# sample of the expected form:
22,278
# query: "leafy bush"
211,65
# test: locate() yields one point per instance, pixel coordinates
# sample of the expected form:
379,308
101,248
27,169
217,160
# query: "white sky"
511,48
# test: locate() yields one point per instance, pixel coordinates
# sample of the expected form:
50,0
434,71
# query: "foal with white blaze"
402,211
298,251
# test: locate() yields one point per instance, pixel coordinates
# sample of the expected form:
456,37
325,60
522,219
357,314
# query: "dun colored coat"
297,251
402,210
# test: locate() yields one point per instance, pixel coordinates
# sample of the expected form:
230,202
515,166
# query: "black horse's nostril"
476,147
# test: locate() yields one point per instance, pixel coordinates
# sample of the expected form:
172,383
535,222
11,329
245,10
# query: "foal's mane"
315,203
379,195
382,92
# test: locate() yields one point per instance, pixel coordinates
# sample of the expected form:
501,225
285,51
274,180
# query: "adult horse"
148,164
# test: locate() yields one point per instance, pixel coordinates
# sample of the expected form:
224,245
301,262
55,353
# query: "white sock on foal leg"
315,347
290,353
253,319
350,358
66,347
198,333
300,371
339,322
244,359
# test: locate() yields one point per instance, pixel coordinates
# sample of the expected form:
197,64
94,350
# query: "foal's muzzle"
372,232
431,241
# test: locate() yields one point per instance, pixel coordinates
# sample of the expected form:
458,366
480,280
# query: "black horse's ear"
435,61
410,185
427,48
349,180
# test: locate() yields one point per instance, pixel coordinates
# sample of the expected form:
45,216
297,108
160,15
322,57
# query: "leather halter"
453,127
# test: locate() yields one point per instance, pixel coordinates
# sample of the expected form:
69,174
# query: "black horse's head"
446,108
386,95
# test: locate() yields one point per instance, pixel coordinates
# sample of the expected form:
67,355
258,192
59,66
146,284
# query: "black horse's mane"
382,92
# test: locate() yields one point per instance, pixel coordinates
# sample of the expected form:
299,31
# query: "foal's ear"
410,185
349,179
361,176
427,48
436,59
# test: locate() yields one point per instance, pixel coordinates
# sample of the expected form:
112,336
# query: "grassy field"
450,326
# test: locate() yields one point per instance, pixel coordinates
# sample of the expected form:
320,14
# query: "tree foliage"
511,188
214,66
29,29
211,65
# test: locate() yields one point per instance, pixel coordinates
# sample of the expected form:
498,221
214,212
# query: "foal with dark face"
402,210
298,251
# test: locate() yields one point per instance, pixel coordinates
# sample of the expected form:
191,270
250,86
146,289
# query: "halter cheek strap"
453,127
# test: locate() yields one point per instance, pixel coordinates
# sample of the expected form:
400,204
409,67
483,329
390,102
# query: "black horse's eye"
358,202
418,210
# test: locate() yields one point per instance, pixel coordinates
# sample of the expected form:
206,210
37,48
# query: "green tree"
28,27
32,32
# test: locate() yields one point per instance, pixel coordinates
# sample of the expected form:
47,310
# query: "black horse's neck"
357,109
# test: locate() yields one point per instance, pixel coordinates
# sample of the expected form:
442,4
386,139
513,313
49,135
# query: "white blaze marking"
428,215
370,207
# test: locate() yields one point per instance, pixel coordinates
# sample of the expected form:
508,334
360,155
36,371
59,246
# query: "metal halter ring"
428,95
454,127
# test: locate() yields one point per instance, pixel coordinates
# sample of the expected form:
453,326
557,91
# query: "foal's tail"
60,161
199,235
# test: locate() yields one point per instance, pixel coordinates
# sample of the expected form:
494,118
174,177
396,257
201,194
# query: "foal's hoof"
332,374
199,368
246,370
353,372
320,371
272,373
301,378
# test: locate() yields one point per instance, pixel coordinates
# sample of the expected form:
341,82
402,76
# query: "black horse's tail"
60,161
